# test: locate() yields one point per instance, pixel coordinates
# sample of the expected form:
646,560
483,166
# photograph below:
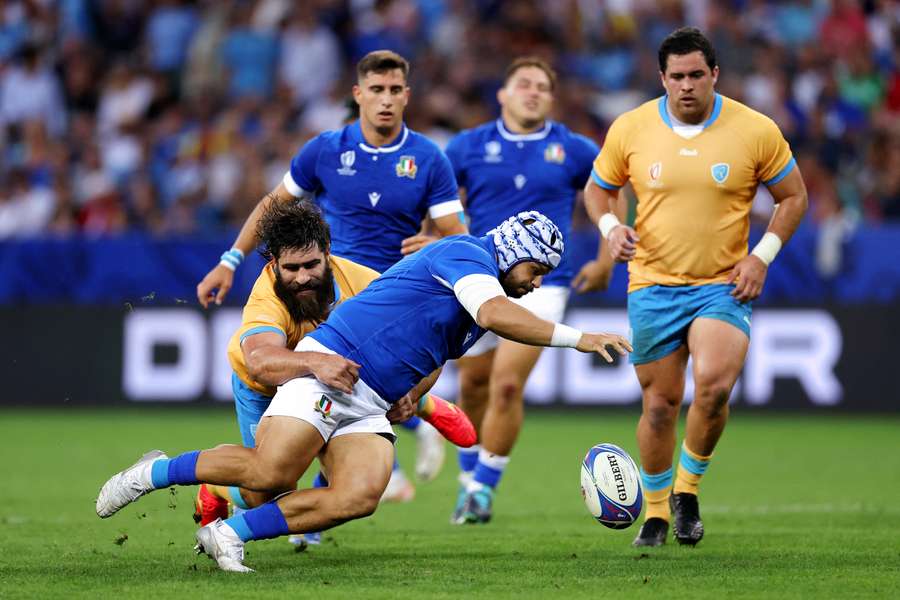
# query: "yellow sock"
425,406
219,491
691,468
657,503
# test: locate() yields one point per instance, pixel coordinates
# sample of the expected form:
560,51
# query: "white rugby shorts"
330,411
547,302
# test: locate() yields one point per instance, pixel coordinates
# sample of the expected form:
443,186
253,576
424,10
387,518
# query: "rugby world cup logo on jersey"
323,406
347,160
655,173
406,167
554,153
719,172
492,152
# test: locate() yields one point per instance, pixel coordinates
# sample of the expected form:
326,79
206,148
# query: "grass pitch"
794,507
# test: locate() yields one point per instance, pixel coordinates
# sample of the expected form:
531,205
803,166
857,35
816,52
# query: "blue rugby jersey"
408,322
374,197
506,173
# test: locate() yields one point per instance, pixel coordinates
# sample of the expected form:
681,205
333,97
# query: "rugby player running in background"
376,181
694,158
522,161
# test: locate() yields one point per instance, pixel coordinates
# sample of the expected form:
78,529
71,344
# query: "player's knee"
473,383
661,411
267,478
712,399
508,391
357,503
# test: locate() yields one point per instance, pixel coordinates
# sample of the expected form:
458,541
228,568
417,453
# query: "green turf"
795,507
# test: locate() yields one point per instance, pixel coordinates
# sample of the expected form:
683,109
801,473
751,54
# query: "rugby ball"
611,486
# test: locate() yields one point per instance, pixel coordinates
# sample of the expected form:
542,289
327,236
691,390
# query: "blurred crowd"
176,116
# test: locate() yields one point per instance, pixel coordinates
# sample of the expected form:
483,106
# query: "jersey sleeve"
263,312
774,160
301,178
443,193
461,259
584,151
455,152
610,167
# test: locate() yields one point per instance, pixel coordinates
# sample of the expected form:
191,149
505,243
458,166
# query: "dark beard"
315,308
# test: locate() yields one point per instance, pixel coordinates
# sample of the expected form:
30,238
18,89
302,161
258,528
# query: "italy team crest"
407,167
720,172
554,153
323,406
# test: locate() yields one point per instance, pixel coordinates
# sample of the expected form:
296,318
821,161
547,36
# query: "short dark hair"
684,41
530,61
382,61
291,226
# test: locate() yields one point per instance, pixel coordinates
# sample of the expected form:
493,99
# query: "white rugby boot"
430,452
219,541
126,486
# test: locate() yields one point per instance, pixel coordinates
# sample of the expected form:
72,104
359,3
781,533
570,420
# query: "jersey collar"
664,114
396,143
523,137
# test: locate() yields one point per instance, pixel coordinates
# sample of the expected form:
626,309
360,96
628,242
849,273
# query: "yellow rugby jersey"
694,195
264,311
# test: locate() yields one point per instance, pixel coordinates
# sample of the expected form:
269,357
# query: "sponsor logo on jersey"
554,153
720,172
347,160
492,152
519,180
688,152
323,407
406,167
374,197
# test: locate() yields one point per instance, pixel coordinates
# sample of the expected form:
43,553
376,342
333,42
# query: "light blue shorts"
660,316
249,406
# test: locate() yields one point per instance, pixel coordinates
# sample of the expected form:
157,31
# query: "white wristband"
564,336
231,259
607,223
767,248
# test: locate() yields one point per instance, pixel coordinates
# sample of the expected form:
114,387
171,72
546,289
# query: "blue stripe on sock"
159,473
234,493
692,465
660,481
239,524
320,481
266,521
487,475
468,458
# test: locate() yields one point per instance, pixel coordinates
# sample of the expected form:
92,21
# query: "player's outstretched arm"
221,277
513,322
269,362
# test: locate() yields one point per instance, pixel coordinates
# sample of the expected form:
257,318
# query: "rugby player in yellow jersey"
292,296
694,159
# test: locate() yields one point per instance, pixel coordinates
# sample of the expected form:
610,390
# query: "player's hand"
220,278
623,242
748,277
593,276
402,410
598,342
334,370
416,242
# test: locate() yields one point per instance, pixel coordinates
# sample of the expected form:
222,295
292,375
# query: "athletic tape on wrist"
231,259
767,248
607,223
564,336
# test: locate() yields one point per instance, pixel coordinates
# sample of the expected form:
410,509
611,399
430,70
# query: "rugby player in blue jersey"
522,161
430,307
376,181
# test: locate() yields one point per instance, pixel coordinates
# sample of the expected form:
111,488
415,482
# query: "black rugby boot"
688,527
653,533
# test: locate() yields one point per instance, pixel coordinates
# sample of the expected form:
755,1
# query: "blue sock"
320,481
234,493
468,458
412,423
181,470
396,466
261,523
489,469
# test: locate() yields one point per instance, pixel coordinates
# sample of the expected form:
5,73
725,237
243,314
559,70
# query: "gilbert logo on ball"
611,486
